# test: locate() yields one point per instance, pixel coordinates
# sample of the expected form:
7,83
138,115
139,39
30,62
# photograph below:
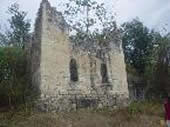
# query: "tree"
19,26
89,22
14,85
3,39
162,69
138,43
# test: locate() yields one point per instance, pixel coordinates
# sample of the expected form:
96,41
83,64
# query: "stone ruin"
69,78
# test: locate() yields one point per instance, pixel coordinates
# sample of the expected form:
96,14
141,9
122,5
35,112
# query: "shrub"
146,107
14,77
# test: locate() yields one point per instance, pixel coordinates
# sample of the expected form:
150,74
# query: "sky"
154,14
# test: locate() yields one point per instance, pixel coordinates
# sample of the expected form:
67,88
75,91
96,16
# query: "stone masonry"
69,78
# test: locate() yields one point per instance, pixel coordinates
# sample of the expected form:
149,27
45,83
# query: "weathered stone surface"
101,79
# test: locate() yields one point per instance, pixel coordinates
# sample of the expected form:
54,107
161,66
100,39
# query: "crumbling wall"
51,57
54,52
35,51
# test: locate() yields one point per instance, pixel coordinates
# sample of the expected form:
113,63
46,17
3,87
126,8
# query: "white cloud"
153,13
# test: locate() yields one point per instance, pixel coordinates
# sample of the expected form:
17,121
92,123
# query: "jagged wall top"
57,18
54,16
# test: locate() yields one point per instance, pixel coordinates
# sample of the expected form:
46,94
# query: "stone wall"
100,79
70,102
55,53
35,51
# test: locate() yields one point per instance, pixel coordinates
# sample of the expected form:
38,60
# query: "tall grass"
138,114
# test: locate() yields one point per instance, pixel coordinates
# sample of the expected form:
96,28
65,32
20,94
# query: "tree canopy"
138,44
90,23
18,33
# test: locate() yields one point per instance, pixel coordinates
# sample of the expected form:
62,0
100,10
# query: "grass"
139,114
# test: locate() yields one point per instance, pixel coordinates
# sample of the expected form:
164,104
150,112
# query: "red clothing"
167,110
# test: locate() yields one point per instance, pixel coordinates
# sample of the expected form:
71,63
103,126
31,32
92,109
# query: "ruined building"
69,78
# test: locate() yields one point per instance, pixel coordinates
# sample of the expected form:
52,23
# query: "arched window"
73,70
104,73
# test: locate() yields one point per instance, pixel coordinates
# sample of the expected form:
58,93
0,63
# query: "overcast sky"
153,13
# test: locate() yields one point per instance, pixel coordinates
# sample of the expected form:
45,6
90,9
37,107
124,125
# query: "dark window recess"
73,70
50,19
104,73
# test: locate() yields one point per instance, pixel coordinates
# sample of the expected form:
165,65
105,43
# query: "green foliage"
14,78
14,75
147,52
146,107
161,80
4,40
138,43
18,34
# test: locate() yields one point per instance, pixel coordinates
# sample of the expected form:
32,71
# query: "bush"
146,107
14,78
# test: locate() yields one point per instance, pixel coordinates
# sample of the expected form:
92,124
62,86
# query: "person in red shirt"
167,111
